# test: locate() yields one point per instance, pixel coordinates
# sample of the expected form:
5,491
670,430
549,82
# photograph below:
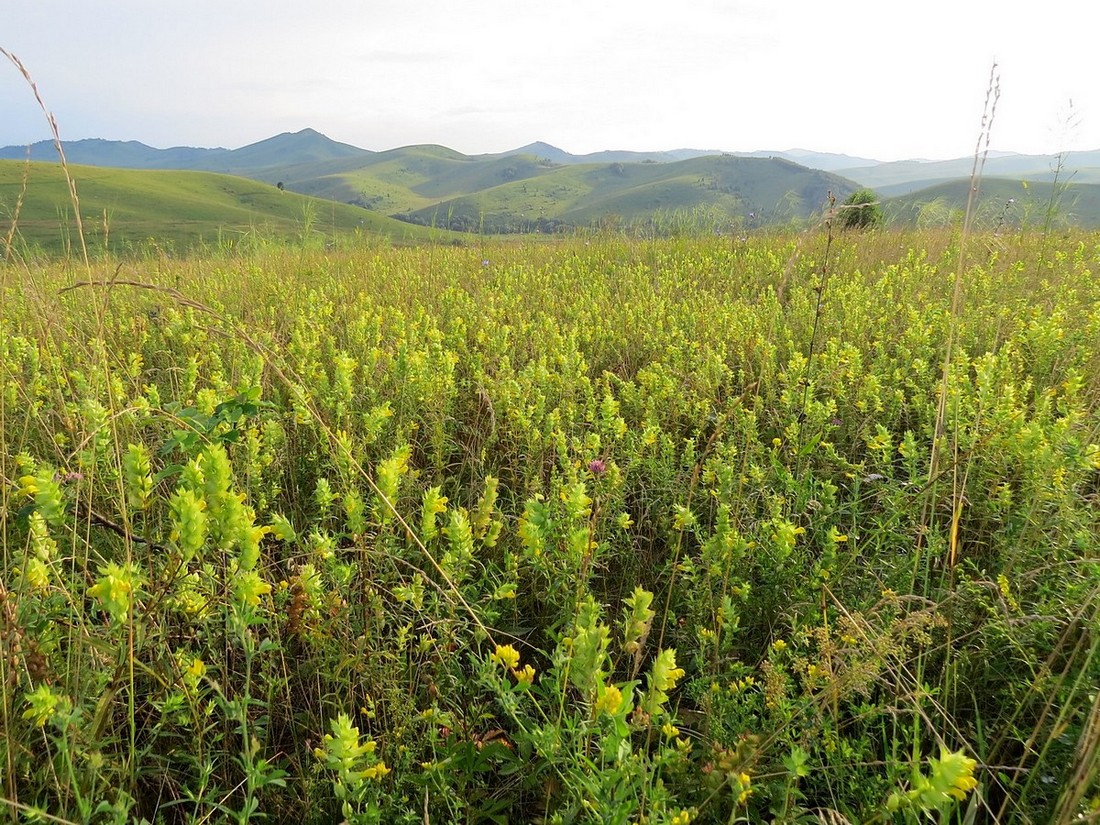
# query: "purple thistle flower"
597,466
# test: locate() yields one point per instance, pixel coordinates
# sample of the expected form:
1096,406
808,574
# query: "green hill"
125,207
537,187
306,146
541,187
1001,202
895,176
436,186
750,190
401,181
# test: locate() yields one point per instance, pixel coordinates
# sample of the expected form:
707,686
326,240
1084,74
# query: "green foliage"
861,210
355,767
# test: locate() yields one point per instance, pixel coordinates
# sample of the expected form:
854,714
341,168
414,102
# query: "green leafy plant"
861,210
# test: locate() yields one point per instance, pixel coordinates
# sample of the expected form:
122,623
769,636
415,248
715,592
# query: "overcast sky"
873,78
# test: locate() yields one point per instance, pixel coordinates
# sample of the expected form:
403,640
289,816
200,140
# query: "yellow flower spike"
779,645
611,699
37,575
957,769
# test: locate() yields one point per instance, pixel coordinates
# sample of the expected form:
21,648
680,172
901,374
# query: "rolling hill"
905,176
411,178
125,208
432,185
539,187
752,191
1002,203
306,146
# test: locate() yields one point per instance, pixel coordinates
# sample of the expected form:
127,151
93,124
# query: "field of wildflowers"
594,530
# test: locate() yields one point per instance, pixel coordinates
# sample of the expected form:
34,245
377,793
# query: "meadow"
733,528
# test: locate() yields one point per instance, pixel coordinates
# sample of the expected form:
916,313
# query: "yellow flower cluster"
611,699
508,657
744,786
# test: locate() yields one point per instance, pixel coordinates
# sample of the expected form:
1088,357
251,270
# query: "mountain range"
539,187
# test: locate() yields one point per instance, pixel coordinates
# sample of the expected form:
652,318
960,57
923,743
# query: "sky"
871,78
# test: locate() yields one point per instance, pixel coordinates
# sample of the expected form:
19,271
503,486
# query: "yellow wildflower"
744,782
377,771
958,769
506,655
611,699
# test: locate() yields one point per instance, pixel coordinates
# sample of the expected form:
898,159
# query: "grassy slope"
773,189
1084,166
1076,203
436,184
412,178
179,207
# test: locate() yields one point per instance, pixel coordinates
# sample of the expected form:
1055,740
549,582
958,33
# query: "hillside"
540,187
546,151
1002,202
305,147
124,154
125,208
753,191
535,187
411,178
905,176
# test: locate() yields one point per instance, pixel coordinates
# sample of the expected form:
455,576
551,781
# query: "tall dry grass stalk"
981,152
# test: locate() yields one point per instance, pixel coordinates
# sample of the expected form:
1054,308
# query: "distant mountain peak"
304,146
543,145
542,149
